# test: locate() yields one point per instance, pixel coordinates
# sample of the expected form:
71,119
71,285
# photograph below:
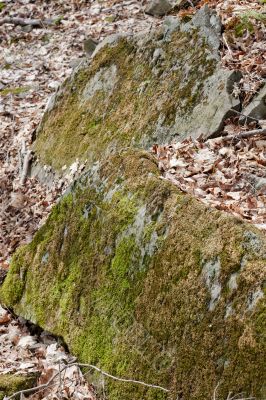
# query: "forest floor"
228,174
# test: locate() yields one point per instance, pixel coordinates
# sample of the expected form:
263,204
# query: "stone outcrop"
146,282
140,279
139,90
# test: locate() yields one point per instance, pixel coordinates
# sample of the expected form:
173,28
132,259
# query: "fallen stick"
246,134
35,23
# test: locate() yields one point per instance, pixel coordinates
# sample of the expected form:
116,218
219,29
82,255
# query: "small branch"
35,23
246,135
49,383
122,379
215,391
227,45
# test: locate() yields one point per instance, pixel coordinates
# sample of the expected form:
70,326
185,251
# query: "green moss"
119,265
10,384
14,91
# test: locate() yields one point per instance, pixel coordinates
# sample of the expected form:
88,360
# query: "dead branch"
215,391
247,134
50,382
35,23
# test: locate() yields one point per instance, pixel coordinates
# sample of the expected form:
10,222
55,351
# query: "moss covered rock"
10,384
148,283
139,90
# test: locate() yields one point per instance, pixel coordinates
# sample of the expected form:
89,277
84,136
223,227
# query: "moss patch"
14,91
10,384
120,263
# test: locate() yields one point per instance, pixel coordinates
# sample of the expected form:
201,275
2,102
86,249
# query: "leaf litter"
228,176
25,354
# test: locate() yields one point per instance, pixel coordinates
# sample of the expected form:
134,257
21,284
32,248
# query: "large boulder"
138,90
148,284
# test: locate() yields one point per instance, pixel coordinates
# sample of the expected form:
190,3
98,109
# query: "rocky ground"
228,173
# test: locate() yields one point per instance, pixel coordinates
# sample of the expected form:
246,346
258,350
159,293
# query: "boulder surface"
140,90
148,283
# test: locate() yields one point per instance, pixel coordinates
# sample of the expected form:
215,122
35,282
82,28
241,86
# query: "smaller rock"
89,45
27,28
158,8
256,109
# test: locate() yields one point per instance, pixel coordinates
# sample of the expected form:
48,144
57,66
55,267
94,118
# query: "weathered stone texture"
148,283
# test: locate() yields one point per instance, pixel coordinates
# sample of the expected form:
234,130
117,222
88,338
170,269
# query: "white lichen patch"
253,298
232,283
211,273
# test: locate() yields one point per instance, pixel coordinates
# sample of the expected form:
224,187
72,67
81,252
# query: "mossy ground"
14,91
119,266
145,91
10,384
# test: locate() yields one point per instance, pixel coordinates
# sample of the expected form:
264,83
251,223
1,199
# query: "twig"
215,390
49,383
227,45
60,379
122,379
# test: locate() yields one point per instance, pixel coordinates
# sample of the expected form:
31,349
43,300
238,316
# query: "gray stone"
158,8
217,104
170,25
27,28
257,108
209,25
